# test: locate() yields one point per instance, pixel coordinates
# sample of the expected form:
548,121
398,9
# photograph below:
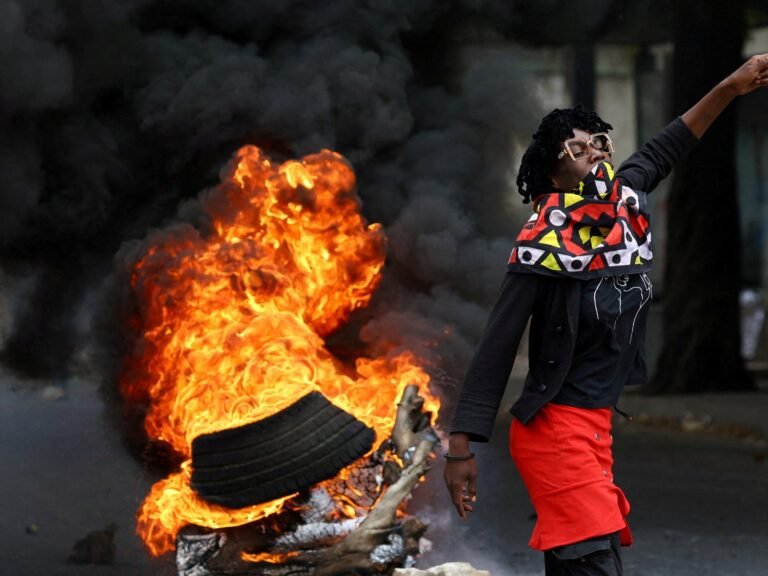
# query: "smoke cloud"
118,114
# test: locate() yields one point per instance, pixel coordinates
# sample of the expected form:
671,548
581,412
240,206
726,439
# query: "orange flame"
232,322
269,558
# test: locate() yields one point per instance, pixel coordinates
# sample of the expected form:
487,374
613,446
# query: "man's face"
568,172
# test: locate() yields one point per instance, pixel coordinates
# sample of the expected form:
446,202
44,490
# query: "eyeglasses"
578,148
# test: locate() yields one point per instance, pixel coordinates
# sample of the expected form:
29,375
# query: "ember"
231,323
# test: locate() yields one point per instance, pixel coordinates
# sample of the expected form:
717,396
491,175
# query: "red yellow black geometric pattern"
604,230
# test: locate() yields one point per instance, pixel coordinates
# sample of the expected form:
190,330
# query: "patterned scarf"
604,230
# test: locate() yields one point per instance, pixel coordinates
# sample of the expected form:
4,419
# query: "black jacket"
553,306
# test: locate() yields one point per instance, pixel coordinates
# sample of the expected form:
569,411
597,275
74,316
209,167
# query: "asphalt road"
700,502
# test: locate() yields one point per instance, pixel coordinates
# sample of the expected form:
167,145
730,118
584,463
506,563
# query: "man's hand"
749,76
461,475
461,480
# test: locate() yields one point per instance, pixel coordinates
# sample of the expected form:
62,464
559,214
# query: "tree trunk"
584,74
701,335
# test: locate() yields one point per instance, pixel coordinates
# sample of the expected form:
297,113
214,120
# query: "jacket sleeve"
655,160
492,363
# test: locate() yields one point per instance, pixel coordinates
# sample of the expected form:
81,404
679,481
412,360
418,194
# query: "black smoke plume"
117,114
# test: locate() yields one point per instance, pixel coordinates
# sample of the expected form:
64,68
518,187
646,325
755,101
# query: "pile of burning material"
315,535
280,472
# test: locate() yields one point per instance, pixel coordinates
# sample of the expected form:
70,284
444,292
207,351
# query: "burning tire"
306,443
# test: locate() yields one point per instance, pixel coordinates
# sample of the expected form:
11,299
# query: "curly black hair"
538,161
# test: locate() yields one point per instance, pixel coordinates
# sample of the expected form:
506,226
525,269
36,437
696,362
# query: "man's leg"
594,557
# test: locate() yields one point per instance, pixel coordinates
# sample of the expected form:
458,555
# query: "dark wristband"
459,458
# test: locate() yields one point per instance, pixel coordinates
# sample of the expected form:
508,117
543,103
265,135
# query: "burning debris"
313,537
231,372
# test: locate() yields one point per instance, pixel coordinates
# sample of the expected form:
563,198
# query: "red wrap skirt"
564,457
